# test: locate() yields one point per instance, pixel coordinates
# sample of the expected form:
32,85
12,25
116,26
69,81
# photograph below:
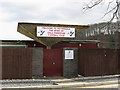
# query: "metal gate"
16,63
52,62
97,62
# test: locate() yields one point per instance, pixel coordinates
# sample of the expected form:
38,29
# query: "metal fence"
97,62
16,63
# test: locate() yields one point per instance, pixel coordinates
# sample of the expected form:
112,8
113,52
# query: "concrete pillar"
37,62
70,66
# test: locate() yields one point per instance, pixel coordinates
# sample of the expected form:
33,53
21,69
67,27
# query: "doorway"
52,62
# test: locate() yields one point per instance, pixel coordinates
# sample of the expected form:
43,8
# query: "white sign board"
55,32
69,54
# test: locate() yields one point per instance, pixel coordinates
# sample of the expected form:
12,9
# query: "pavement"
50,83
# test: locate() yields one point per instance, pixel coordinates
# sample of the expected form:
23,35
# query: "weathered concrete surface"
70,66
37,62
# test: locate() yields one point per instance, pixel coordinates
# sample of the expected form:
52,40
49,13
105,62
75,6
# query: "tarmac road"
98,87
91,83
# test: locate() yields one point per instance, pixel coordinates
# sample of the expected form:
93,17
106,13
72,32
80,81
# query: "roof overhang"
29,30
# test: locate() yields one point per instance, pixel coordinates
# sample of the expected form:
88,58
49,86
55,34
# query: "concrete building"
55,55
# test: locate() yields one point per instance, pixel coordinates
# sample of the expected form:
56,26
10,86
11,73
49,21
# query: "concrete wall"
37,62
70,67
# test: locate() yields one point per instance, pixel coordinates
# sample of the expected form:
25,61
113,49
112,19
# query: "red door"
52,62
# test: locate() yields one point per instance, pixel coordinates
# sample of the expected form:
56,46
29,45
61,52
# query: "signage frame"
45,31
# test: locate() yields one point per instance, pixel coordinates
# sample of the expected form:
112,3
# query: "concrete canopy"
30,29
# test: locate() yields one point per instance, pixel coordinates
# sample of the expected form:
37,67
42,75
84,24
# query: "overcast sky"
46,11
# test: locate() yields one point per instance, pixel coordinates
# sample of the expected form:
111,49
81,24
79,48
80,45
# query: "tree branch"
114,10
88,6
109,5
115,14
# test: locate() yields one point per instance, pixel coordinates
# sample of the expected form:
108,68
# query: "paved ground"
78,83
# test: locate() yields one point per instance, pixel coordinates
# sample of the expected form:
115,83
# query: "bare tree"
115,10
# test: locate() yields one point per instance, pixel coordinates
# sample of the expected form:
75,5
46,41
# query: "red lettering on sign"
47,28
52,34
51,30
65,28
62,30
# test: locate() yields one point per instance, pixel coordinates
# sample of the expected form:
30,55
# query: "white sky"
46,11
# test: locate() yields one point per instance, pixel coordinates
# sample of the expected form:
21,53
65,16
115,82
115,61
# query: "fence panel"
119,60
96,62
16,63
